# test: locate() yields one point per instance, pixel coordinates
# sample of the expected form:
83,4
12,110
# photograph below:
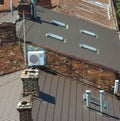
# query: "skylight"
56,37
58,23
97,3
88,33
87,47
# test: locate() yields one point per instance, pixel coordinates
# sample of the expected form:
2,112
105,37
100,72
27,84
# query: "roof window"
89,33
90,48
56,37
58,23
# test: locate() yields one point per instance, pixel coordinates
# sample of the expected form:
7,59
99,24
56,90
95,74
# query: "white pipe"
88,98
101,100
34,8
11,7
116,86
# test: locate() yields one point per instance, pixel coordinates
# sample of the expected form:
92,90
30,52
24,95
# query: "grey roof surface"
10,89
62,101
107,41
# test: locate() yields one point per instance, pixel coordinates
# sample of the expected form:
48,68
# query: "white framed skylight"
89,33
58,23
90,48
54,36
96,3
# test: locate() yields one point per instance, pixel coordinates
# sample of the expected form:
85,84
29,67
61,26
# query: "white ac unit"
36,58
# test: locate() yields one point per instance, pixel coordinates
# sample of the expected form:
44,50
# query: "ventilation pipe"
116,86
11,7
101,100
34,9
88,98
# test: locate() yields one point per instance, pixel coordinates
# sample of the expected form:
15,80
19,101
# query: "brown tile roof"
6,5
100,12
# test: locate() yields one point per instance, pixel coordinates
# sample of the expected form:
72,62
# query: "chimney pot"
25,108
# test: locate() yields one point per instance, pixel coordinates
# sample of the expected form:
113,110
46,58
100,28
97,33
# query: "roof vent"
54,36
116,86
58,23
89,33
90,99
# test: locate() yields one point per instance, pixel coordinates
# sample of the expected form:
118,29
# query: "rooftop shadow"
47,97
47,70
105,114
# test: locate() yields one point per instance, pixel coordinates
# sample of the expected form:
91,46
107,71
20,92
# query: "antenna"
24,37
11,7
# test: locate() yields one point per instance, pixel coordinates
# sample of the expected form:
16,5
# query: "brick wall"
7,32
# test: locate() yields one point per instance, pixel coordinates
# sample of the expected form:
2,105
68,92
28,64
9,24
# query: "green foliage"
118,8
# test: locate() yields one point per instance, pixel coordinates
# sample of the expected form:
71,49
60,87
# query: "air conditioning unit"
36,58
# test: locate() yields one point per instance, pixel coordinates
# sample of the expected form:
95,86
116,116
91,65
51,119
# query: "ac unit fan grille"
34,59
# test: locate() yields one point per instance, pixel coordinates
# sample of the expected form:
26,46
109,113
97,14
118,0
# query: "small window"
90,48
89,33
56,37
58,23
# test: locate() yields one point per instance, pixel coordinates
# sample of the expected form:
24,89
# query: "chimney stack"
30,79
24,108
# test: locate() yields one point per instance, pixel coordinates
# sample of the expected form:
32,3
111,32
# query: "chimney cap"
117,80
101,91
25,103
88,91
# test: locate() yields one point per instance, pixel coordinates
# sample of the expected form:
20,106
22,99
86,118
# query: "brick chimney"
30,79
25,108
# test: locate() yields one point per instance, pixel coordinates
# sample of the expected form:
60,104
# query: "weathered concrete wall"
91,74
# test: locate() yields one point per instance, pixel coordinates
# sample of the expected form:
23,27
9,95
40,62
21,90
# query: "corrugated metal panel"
68,102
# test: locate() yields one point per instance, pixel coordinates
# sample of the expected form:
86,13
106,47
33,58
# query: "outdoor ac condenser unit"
36,58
